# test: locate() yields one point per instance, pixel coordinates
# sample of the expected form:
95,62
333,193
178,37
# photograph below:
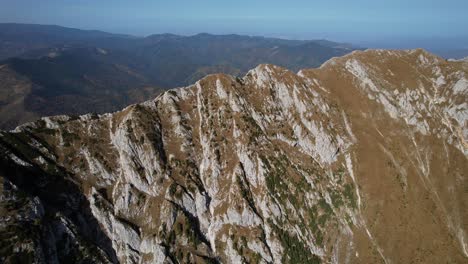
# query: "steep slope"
363,160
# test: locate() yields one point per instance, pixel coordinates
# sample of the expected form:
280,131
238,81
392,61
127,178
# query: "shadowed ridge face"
46,217
362,161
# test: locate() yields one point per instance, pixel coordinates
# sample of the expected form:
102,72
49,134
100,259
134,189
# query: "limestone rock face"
363,160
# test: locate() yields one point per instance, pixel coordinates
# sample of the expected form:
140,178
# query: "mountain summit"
363,160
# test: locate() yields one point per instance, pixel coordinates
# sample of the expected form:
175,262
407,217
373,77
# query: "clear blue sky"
342,20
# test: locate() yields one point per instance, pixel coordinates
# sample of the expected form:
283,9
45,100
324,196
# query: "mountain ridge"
59,35
360,160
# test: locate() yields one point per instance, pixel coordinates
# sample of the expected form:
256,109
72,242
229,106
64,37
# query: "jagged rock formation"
363,160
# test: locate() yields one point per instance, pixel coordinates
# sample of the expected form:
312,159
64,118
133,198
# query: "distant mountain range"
51,70
452,54
17,39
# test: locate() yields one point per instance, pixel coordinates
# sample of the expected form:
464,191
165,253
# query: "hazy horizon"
396,24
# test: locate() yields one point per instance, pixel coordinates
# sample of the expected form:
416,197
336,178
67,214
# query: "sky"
355,21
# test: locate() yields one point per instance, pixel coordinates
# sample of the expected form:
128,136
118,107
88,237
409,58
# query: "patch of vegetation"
172,188
284,180
336,198
255,129
349,195
401,181
276,173
313,218
326,207
128,124
294,250
340,173
69,136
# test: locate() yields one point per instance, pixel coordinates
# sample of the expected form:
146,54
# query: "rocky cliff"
363,160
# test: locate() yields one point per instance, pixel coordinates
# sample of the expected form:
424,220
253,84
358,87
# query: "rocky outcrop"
363,160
